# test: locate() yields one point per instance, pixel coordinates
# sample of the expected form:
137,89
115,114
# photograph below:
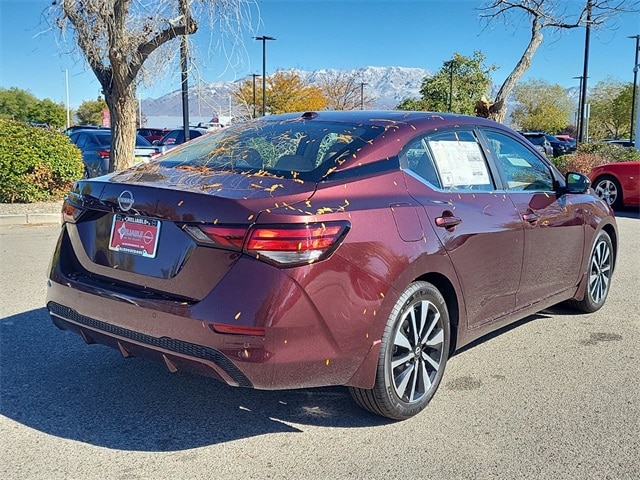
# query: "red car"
617,183
329,248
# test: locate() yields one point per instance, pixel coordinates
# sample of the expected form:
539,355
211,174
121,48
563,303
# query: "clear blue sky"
317,34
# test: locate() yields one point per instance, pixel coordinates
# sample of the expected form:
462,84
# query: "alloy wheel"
418,346
607,190
600,271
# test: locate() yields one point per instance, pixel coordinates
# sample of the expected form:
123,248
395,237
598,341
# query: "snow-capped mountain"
387,86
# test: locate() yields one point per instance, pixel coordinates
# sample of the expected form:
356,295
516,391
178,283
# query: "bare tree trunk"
515,75
123,110
120,92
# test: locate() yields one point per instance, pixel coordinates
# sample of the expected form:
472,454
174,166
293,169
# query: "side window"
522,169
416,158
459,160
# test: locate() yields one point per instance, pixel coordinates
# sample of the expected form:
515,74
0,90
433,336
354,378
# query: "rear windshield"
291,148
103,139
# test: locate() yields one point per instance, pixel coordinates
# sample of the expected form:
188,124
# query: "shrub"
591,155
36,164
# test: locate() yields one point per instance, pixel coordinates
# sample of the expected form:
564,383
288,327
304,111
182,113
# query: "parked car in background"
153,134
73,128
548,144
569,143
566,138
573,144
621,143
175,137
329,248
617,183
95,145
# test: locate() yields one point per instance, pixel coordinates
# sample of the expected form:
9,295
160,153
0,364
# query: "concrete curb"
30,219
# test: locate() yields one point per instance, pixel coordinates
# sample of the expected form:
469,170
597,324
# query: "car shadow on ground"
559,310
54,383
628,212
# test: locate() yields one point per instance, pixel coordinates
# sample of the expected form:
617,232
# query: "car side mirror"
577,183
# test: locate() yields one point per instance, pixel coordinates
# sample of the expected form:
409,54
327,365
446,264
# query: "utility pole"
585,72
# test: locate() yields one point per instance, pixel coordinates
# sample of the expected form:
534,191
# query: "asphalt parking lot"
555,396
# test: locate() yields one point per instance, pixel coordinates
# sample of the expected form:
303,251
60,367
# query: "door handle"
531,217
448,223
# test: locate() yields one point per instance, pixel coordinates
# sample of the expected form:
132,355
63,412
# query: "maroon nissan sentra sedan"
329,248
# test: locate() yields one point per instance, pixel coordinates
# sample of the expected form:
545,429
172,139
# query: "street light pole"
578,118
450,86
635,81
264,70
254,75
362,84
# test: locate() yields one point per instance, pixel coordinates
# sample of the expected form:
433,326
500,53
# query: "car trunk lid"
135,232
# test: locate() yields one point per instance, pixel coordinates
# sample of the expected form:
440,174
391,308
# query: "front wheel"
413,354
600,269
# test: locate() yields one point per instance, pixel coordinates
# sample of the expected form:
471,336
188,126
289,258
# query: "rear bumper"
300,347
176,354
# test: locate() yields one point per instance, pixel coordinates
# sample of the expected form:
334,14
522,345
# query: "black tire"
413,355
599,270
609,189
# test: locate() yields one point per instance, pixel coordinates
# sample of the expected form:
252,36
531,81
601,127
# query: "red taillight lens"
296,244
225,236
283,245
103,153
71,212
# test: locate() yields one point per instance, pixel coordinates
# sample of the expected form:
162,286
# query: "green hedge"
36,164
591,155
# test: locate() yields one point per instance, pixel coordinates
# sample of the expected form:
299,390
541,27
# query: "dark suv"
547,144
175,137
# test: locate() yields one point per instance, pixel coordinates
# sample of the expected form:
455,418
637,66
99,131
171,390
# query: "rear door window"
417,159
459,160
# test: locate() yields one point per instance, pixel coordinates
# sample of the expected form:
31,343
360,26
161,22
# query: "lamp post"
362,84
635,81
450,86
66,83
254,75
578,118
585,72
264,72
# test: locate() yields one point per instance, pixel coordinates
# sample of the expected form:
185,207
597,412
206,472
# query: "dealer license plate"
134,235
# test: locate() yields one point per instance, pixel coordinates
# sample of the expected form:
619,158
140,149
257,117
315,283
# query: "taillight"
219,235
103,153
296,244
282,245
71,212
